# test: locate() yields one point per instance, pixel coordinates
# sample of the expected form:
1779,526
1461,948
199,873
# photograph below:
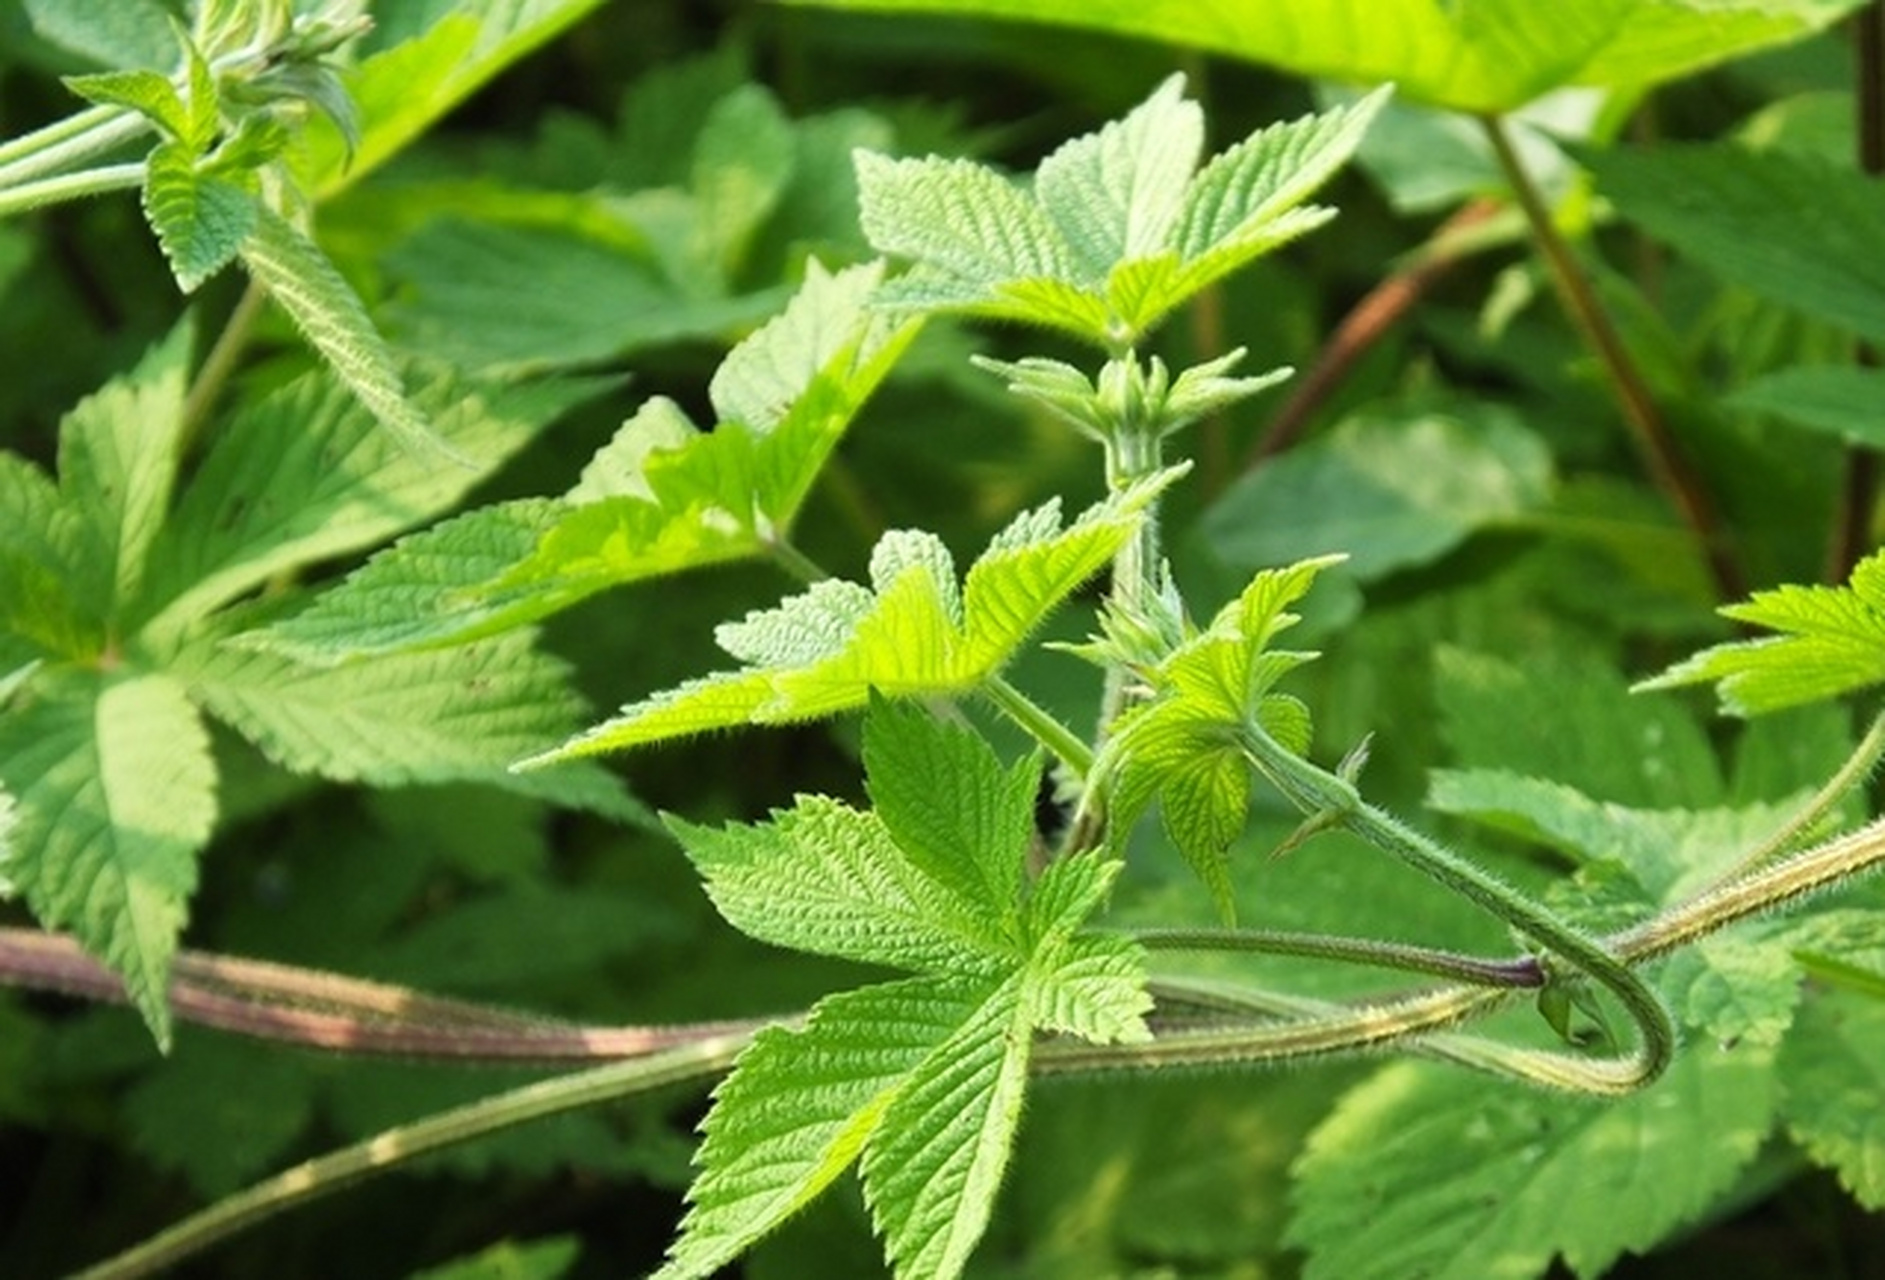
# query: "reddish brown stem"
1852,530
345,1015
1365,324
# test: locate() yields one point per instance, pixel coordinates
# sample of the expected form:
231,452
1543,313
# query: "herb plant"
1601,997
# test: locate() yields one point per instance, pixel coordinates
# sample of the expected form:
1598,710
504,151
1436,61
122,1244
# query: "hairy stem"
65,143
1071,749
1667,467
340,1169
1324,797
1857,767
1521,971
71,186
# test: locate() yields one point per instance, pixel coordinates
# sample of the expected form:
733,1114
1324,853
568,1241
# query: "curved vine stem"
1329,800
1518,972
340,1169
1857,767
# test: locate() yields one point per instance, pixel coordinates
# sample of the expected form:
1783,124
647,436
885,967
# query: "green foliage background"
613,212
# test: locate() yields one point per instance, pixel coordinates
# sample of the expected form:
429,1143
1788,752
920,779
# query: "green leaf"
118,459
1832,1069
1483,58
406,718
325,308
1117,229
1435,1172
1739,213
660,498
1845,401
116,794
113,33
798,1109
44,600
149,94
1392,490
935,1161
823,877
944,798
1183,746
906,637
1832,642
401,92
304,474
743,159
200,220
541,1259
922,1077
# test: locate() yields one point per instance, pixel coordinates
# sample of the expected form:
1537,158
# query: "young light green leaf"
1434,1172
1832,1068
660,498
1182,746
406,718
1481,58
1117,230
912,640
118,459
1832,642
325,308
116,794
305,473
200,220
151,95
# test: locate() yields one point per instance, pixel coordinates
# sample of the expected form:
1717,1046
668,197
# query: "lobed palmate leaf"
1832,642
660,498
920,1078
915,631
1119,227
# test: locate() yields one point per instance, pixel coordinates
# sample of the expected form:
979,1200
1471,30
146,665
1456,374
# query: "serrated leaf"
935,1161
118,459
947,802
825,878
116,794
305,474
1183,746
1832,1069
1479,58
906,644
149,94
1738,213
1832,642
200,220
798,1109
1434,1172
1117,230
326,310
406,718
660,498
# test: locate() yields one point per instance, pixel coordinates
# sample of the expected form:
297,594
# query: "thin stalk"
796,562
221,362
1326,798
1470,970
341,1169
1860,484
1857,767
72,186
1667,468
1821,867
68,142
1071,749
